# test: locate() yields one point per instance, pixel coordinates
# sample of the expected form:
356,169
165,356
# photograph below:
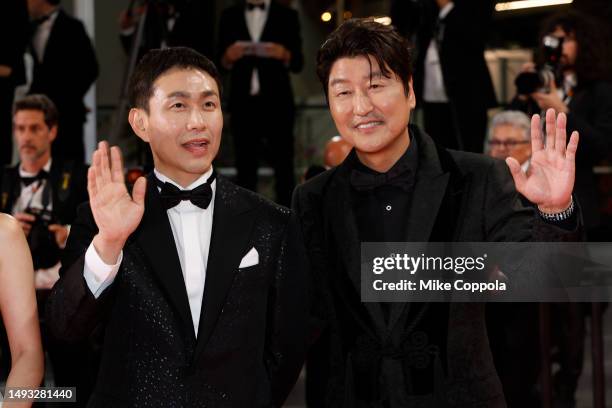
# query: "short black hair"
38,102
367,37
159,61
54,2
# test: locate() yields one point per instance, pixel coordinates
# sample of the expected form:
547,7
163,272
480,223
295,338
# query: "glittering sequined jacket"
251,339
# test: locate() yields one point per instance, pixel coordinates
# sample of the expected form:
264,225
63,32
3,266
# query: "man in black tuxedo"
65,66
450,66
198,283
43,193
396,185
259,42
14,32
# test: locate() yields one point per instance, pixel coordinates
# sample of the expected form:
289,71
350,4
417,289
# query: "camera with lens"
529,82
44,248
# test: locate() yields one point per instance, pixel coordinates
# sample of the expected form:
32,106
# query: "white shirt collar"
201,180
445,10
23,173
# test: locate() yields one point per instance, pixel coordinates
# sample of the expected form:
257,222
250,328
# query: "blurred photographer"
42,193
574,76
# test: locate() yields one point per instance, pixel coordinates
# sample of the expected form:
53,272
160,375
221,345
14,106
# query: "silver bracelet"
560,216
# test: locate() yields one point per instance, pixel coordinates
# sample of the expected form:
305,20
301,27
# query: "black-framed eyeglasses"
507,143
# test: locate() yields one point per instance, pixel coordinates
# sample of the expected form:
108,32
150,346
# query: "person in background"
509,136
260,44
65,67
43,192
450,38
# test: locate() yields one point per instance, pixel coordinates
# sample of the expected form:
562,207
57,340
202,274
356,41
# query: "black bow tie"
171,195
252,6
398,177
42,175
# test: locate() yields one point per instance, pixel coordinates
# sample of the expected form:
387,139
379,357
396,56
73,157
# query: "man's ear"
411,96
139,120
53,133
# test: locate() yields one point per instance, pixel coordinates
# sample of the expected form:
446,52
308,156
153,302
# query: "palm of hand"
549,180
114,211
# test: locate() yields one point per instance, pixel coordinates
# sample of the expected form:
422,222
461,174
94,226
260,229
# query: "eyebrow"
373,75
183,94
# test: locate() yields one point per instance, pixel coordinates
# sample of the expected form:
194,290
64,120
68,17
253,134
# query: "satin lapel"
155,237
347,241
231,231
429,191
267,29
241,27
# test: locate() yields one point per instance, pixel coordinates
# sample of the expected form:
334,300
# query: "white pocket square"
250,259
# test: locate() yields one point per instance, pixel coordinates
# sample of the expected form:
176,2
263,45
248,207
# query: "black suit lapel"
240,26
54,34
346,236
154,235
268,29
430,190
232,226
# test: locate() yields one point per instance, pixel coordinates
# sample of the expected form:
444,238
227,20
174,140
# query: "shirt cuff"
98,275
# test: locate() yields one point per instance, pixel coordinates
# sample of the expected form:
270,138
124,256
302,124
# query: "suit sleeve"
288,307
509,219
72,311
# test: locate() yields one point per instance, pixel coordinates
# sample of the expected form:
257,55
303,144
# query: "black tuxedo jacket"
68,68
282,27
466,77
68,182
250,344
430,355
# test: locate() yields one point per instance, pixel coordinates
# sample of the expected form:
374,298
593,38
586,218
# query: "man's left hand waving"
550,179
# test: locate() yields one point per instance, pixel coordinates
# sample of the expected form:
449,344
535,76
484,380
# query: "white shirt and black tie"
256,18
191,228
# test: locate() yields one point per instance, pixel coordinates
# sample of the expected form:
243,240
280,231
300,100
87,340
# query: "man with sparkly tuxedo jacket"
198,284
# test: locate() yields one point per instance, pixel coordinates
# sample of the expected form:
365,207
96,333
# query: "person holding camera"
574,76
42,193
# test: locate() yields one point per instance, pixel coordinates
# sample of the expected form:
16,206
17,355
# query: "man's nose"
197,119
362,105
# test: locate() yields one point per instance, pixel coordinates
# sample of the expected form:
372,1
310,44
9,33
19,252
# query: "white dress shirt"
41,35
433,87
31,196
256,21
191,228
